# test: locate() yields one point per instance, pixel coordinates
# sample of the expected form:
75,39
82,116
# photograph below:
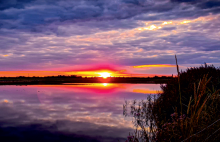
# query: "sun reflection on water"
105,84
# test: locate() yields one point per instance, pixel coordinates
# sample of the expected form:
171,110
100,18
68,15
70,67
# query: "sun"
105,75
105,84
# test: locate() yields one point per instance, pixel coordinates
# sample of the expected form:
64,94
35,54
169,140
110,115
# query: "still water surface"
68,113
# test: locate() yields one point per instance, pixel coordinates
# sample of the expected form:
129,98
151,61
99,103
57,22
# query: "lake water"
68,113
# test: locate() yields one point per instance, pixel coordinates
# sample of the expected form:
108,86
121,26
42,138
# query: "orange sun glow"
105,74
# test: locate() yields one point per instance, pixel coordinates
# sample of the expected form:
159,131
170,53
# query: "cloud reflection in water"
89,112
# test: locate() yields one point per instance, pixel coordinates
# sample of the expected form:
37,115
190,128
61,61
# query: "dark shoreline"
62,80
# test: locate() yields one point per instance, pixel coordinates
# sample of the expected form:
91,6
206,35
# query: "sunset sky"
140,37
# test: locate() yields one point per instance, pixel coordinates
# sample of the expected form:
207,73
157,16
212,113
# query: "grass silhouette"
187,110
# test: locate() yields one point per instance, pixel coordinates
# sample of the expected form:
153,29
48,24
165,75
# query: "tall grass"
194,118
177,66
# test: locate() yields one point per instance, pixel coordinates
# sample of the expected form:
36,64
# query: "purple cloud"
42,35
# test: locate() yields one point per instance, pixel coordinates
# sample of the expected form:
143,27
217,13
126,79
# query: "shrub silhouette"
193,118
169,99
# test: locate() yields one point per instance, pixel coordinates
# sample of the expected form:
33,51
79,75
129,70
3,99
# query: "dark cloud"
180,1
38,15
204,4
193,58
6,4
209,4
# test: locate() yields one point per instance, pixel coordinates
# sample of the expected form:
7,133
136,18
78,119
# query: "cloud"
33,15
13,4
209,4
187,1
203,4
150,66
65,18
42,35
